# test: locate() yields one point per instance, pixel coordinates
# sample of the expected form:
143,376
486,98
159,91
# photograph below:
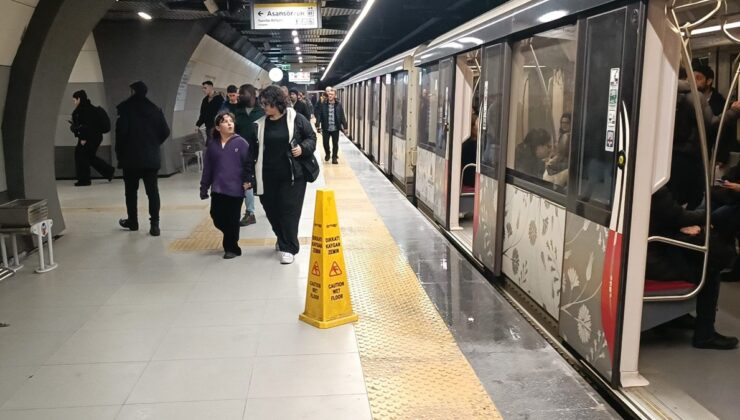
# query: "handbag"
309,165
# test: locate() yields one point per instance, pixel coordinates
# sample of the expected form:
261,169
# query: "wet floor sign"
328,302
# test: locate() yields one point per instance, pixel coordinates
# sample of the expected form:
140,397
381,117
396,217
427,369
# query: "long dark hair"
81,95
274,96
219,119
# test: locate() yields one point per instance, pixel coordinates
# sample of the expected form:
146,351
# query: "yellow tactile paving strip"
206,237
413,368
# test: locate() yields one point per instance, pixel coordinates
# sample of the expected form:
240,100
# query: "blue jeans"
249,200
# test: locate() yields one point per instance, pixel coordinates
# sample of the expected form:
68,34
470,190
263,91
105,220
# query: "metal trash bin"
23,213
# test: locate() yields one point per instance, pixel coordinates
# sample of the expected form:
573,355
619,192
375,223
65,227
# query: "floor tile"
76,413
132,317
87,346
355,407
315,375
200,410
77,386
208,343
229,290
46,319
27,349
225,313
151,293
300,338
193,380
12,379
286,310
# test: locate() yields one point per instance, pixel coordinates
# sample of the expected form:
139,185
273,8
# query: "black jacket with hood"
140,130
322,116
86,124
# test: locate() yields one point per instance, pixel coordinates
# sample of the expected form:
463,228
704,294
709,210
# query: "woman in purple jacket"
228,171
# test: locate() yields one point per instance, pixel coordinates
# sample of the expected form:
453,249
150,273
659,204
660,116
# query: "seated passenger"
557,165
469,153
532,152
670,263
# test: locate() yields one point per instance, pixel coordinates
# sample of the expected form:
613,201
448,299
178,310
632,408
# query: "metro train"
534,136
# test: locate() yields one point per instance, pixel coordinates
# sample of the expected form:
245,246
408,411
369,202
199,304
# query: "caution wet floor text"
328,302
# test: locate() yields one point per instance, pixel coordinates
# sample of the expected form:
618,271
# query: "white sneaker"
286,258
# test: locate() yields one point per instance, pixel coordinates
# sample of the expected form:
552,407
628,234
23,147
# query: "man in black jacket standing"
209,108
140,131
88,125
330,119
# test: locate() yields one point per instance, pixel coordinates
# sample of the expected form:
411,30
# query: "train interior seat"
657,313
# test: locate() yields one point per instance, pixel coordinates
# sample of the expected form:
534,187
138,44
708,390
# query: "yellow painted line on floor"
412,365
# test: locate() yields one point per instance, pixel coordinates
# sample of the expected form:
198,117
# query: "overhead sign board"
302,77
285,67
271,16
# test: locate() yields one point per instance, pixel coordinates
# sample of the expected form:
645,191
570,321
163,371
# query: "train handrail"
733,86
684,31
462,174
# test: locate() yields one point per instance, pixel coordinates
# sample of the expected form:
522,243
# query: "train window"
491,92
428,106
400,92
542,94
605,39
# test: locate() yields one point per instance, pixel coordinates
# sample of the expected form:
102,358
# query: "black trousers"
283,202
86,156
225,212
131,179
334,136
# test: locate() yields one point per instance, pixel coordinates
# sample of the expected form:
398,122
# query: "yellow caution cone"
328,303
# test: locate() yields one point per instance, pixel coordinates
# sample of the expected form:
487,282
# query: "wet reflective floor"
525,377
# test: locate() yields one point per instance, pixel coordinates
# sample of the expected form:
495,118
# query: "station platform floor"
135,327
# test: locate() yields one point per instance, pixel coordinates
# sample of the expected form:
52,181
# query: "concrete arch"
38,78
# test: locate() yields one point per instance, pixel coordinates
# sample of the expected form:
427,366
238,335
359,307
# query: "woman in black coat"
88,125
285,162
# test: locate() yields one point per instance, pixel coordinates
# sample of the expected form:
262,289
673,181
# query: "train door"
427,138
375,122
355,125
464,147
367,118
361,115
399,144
386,121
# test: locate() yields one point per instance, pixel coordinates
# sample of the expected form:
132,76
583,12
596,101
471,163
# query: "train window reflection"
400,92
491,92
428,106
542,95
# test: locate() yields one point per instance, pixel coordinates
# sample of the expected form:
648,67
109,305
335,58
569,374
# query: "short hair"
207,82
328,89
294,90
219,119
274,96
537,137
231,89
248,88
81,95
706,71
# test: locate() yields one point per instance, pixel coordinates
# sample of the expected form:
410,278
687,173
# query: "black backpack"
103,120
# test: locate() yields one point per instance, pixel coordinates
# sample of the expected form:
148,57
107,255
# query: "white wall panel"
87,67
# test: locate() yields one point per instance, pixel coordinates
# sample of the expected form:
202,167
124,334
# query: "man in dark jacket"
330,119
209,107
247,114
140,131
88,124
298,104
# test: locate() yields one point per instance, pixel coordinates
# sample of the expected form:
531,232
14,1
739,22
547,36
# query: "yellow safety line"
412,365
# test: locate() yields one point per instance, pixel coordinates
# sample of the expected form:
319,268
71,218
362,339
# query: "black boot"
128,224
716,342
154,229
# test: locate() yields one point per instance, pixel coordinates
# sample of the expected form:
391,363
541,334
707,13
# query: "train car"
535,137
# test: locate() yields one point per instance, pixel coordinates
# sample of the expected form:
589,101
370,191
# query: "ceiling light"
717,28
554,15
275,74
453,45
296,40
294,33
297,48
145,16
352,30
471,40
299,53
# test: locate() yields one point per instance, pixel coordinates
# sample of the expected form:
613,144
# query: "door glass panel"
542,96
491,91
444,106
428,106
605,39
400,90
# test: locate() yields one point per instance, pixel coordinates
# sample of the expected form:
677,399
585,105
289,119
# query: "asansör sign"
271,16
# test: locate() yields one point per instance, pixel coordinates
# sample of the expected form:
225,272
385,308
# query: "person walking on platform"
88,124
284,164
140,130
299,106
209,107
330,119
247,114
228,171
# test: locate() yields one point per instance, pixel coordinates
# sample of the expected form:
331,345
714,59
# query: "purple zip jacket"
226,169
